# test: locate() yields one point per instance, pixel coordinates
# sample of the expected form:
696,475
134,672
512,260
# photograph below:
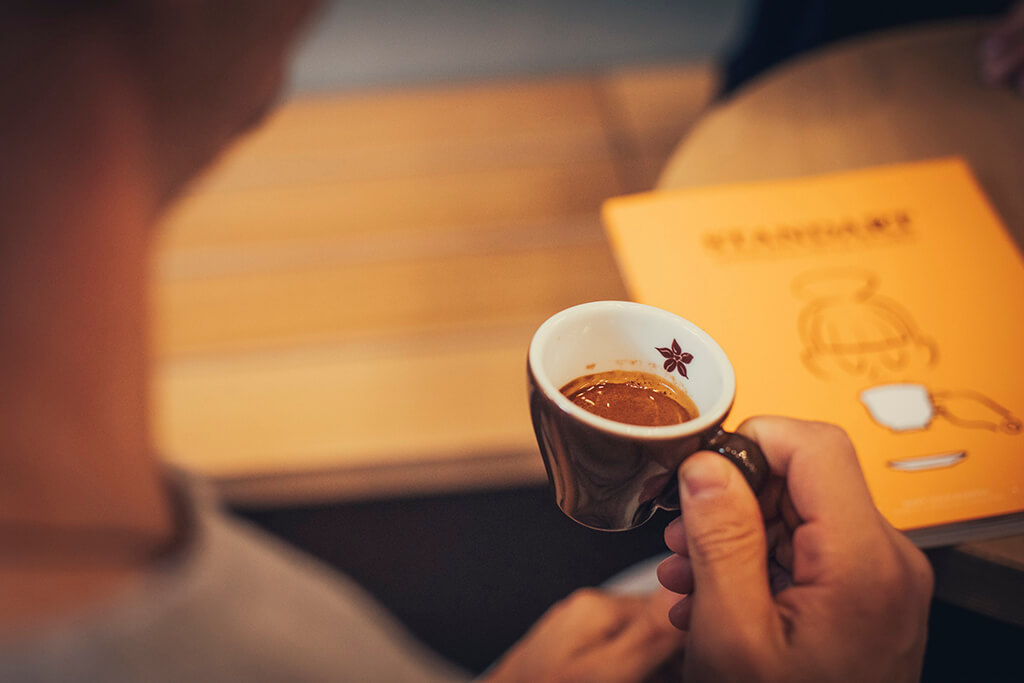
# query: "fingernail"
706,474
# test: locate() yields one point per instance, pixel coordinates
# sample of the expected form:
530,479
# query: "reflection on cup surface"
639,398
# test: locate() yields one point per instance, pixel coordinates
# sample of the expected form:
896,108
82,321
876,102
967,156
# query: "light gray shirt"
233,604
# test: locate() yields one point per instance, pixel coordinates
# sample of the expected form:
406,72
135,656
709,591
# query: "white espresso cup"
612,475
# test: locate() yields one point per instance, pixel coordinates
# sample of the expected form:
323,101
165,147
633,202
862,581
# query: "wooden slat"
430,397
422,131
391,298
429,203
410,116
422,476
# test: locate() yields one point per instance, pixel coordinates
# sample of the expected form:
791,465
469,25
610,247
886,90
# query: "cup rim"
707,419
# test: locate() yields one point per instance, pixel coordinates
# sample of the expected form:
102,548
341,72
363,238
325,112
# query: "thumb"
726,542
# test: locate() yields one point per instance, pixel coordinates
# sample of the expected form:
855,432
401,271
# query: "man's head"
193,73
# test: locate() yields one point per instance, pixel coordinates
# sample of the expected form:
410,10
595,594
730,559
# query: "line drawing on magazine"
908,407
848,328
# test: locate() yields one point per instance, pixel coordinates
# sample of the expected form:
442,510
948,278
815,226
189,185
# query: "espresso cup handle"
742,452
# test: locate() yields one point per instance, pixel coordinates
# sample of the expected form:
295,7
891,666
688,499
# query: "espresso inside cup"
632,397
618,336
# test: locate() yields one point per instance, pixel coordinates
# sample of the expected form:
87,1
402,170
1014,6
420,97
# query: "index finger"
820,467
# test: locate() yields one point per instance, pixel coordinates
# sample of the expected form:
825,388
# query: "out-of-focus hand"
851,593
1002,50
594,637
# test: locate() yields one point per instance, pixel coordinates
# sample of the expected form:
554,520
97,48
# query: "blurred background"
343,305
334,294
366,44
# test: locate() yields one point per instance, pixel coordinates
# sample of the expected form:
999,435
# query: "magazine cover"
888,300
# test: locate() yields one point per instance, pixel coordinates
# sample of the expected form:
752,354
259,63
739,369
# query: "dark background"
469,573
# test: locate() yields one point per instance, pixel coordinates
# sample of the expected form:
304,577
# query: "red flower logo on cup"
676,359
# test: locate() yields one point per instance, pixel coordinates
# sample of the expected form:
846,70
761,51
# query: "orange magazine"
888,300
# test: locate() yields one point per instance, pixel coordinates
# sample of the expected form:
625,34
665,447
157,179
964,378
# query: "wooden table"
343,305
892,97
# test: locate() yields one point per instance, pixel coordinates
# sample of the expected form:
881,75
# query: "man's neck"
73,404
74,449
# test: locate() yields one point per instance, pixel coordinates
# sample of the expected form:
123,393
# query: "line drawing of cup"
906,407
899,407
974,410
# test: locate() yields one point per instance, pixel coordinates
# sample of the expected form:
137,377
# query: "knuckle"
675,536
676,574
890,579
741,654
917,568
585,595
904,576
927,578
574,672
831,432
727,539
921,573
584,600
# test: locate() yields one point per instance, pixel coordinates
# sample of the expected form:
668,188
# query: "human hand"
1002,50
853,593
594,637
